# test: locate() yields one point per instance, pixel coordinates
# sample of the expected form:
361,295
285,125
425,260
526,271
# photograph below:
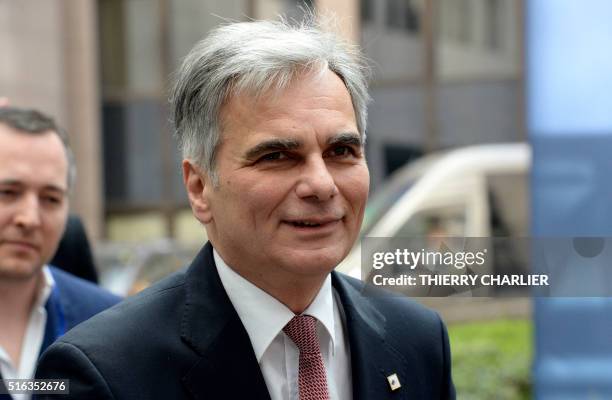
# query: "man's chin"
313,261
18,272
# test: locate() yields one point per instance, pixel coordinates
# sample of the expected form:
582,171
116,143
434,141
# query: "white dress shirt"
34,335
264,318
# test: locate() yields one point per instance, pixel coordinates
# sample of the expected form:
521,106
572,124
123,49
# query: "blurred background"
448,142
444,77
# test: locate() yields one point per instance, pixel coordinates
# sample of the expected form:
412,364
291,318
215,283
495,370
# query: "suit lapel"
373,358
226,365
56,322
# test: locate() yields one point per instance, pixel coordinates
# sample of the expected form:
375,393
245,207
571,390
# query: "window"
141,43
366,8
493,24
435,222
455,20
402,15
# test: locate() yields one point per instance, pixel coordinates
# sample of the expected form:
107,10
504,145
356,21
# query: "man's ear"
197,183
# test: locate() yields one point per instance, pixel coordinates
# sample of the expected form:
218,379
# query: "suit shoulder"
84,292
132,316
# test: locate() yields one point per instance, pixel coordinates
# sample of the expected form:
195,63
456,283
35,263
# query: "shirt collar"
44,291
48,283
253,306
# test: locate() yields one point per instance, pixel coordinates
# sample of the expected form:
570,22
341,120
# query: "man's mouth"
312,223
22,244
305,224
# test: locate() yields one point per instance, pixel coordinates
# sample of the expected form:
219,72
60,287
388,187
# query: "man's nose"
28,212
316,181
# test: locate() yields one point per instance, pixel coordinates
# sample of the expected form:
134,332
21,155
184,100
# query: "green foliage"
492,360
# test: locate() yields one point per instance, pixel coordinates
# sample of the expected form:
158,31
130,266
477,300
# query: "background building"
446,73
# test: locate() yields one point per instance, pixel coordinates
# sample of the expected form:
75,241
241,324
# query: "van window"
508,203
509,217
380,204
398,184
439,221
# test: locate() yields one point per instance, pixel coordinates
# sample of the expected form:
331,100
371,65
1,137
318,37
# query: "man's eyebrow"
272,145
11,182
54,188
14,182
347,138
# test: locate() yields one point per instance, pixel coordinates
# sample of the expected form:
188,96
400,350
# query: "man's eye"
6,193
342,151
53,200
276,156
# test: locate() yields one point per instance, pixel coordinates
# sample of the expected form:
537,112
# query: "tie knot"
302,330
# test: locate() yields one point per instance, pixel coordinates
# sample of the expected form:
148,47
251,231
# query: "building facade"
446,73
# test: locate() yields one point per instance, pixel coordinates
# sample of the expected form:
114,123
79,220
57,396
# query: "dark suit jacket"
72,301
182,339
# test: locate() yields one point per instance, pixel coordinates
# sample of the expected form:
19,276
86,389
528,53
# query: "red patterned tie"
302,330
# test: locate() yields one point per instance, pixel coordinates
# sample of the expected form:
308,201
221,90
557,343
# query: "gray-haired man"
271,121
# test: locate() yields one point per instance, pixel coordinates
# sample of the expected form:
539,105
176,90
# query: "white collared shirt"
34,336
264,318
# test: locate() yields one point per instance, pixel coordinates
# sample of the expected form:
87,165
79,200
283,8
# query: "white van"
475,191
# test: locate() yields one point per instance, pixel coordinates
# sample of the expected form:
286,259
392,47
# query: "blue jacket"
72,301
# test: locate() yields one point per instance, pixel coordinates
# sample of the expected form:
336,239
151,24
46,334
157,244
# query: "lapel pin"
394,382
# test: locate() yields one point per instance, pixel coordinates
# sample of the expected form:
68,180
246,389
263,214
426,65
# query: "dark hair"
34,122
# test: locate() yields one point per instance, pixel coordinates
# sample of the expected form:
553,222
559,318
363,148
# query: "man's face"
293,182
33,200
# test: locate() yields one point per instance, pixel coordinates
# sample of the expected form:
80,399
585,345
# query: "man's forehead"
16,137
32,159
286,107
